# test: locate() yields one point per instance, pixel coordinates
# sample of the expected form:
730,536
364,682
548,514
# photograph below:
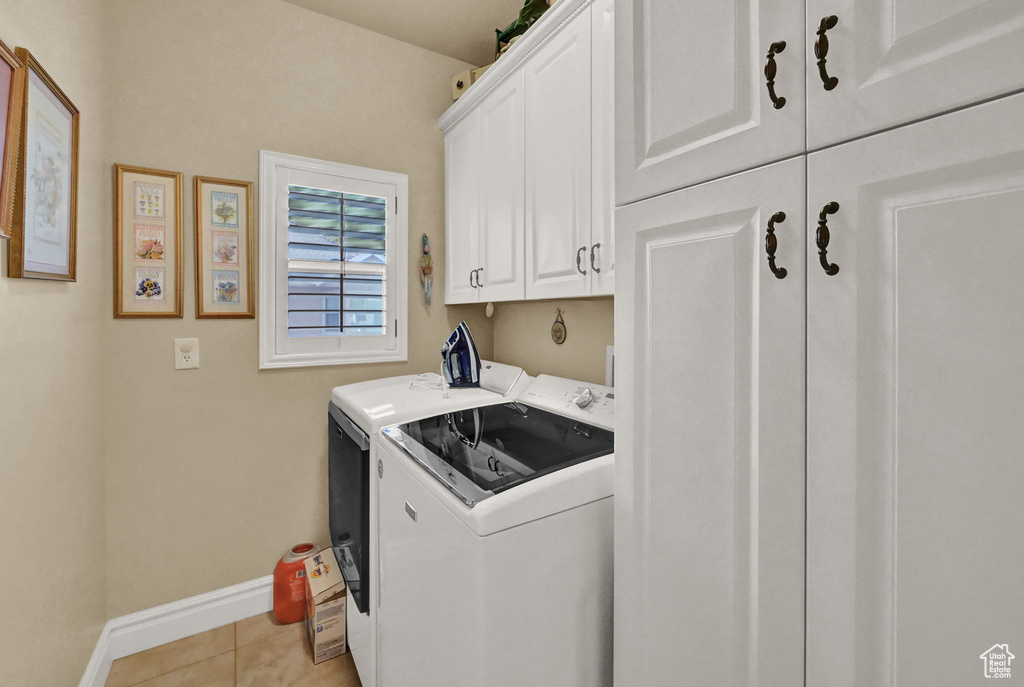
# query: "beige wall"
158,484
522,336
213,473
52,588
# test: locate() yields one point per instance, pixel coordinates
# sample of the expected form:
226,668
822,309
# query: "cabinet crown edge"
547,27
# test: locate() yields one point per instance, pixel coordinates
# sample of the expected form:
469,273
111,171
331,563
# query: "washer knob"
583,397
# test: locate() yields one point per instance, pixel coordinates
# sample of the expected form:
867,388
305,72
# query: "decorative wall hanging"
43,233
223,221
12,97
147,242
426,271
558,332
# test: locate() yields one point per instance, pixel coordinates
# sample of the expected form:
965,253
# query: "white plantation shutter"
336,244
337,255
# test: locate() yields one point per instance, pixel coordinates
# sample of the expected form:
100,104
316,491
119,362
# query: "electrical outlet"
186,354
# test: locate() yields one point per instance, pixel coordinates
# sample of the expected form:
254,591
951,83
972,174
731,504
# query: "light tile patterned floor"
250,653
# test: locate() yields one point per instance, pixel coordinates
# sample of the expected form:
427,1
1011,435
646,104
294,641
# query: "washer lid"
479,452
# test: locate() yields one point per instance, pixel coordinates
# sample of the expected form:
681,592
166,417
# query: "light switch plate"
186,354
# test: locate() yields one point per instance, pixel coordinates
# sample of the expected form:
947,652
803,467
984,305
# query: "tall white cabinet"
816,470
709,529
915,395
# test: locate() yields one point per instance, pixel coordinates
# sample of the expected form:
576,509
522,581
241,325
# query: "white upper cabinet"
530,146
914,378
702,84
896,61
558,172
462,188
502,274
601,263
484,191
694,102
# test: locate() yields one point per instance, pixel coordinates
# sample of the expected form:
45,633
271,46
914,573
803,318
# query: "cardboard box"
326,606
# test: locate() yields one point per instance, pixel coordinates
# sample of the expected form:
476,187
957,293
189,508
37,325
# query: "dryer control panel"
591,403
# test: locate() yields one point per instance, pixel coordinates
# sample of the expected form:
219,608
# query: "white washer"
495,543
370,406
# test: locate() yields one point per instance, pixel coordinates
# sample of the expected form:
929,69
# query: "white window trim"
273,313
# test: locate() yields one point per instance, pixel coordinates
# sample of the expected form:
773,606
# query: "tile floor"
250,653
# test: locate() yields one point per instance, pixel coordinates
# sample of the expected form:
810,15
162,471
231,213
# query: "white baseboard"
130,634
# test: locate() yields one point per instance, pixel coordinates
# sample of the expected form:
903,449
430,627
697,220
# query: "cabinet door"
709,435
692,96
558,164
897,61
915,372
502,275
602,234
462,210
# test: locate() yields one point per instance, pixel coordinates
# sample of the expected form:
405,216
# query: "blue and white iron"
460,361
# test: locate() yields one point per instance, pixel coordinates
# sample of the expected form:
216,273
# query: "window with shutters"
334,245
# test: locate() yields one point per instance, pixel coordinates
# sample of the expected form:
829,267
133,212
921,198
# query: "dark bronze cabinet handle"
578,261
471,275
479,284
769,72
771,244
821,51
593,249
821,238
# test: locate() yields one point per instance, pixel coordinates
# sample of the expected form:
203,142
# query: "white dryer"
356,415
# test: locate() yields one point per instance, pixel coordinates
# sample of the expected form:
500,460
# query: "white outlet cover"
186,354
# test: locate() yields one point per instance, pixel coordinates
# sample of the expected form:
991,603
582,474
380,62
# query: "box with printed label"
326,603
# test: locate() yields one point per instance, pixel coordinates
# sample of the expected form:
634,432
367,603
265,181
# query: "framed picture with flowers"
44,229
12,97
224,242
147,242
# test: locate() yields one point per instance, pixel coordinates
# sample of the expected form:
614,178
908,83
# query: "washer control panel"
500,379
591,403
583,397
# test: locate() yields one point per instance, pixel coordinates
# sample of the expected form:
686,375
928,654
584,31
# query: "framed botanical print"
43,233
224,247
12,95
147,242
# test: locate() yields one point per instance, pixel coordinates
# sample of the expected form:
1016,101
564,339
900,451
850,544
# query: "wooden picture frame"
44,231
225,287
147,242
12,97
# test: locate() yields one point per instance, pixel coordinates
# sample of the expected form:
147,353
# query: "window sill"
278,361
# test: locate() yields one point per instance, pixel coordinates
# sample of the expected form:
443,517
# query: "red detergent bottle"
290,584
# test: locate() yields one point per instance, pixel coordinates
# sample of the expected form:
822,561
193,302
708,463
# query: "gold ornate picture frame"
147,242
44,231
225,287
12,97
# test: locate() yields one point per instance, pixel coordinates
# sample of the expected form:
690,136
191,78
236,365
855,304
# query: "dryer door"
349,479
